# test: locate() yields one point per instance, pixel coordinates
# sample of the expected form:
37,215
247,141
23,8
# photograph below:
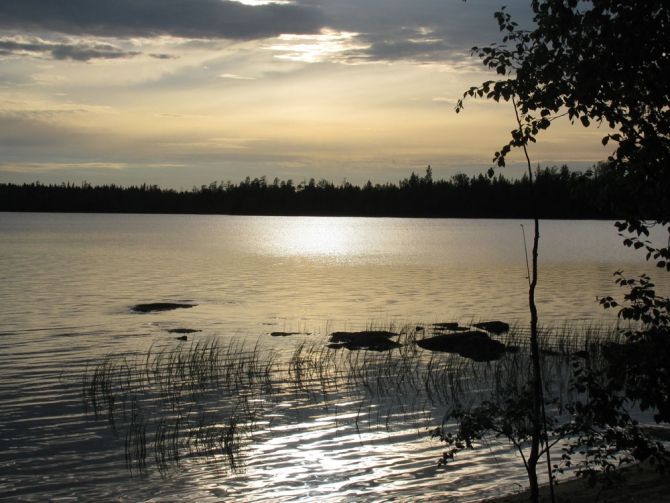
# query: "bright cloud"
236,77
316,48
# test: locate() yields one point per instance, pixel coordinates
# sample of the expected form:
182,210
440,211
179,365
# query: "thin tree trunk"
537,417
537,375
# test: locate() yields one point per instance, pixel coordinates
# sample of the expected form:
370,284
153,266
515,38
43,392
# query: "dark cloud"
208,19
86,52
164,56
406,47
423,31
75,51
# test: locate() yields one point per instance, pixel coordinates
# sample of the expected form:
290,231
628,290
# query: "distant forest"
560,194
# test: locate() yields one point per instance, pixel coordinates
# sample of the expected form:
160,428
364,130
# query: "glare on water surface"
316,237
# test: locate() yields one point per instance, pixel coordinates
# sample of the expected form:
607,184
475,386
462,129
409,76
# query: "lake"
68,283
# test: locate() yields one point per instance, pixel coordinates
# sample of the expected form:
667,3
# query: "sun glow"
316,48
328,238
316,237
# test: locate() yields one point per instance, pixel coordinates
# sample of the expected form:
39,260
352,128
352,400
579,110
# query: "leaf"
585,121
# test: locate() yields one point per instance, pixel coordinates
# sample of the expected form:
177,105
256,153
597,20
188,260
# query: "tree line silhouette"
561,194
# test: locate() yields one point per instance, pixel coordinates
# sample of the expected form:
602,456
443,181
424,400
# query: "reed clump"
186,402
205,401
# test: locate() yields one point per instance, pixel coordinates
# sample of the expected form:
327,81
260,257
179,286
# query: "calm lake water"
68,282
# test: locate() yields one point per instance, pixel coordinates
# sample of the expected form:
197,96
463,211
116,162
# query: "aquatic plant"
205,400
175,399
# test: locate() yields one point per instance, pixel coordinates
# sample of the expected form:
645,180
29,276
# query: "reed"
203,401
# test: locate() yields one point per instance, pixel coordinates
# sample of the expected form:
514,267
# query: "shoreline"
640,482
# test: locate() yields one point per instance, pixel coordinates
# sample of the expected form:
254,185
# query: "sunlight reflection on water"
316,237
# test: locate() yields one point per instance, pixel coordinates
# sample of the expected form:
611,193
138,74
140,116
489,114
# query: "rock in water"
477,346
159,306
446,326
495,327
372,340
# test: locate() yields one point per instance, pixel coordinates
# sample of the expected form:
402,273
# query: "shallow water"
67,283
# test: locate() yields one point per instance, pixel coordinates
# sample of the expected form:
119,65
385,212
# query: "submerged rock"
451,326
450,342
371,340
183,331
182,338
159,306
446,326
372,344
477,346
283,334
495,327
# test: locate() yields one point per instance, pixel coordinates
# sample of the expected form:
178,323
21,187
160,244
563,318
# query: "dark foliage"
601,62
561,193
641,367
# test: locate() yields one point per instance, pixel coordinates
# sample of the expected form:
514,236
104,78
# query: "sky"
181,93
